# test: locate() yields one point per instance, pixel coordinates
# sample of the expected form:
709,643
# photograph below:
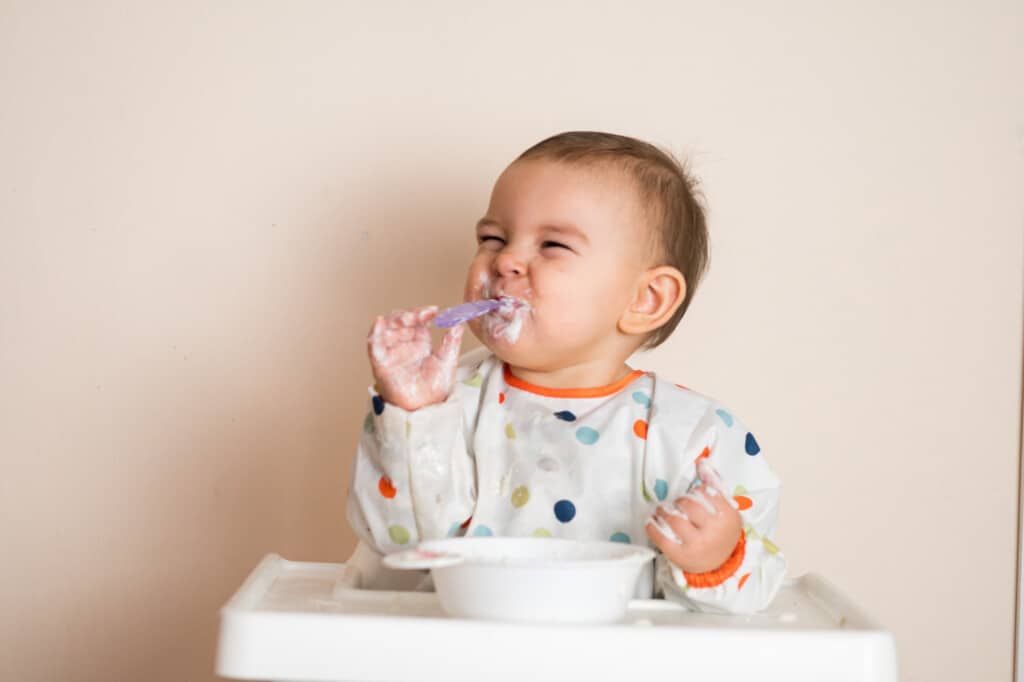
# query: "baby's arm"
735,482
413,478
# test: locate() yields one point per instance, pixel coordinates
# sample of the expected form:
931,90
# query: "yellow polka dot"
542,533
520,496
399,535
509,431
475,380
769,546
740,490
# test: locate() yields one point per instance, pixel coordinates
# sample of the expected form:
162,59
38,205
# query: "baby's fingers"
661,534
448,352
426,313
677,521
417,317
667,542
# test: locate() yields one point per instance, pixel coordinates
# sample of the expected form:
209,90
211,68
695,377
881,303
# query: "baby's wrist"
722,571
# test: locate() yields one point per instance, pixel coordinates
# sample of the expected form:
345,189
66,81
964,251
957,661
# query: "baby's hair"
667,189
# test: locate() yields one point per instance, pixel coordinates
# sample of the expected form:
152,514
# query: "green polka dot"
647,495
476,380
399,535
368,426
541,533
520,496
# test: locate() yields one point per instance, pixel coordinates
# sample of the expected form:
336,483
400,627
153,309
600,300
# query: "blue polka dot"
620,537
725,416
483,532
565,511
566,416
661,489
642,398
587,435
752,447
453,531
378,404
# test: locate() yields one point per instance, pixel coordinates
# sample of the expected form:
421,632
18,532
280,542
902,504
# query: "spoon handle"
464,312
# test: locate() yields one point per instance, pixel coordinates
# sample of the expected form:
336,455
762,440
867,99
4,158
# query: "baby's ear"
658,295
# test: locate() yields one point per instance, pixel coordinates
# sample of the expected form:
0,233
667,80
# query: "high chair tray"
300,622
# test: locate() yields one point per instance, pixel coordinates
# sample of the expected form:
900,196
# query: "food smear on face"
507,320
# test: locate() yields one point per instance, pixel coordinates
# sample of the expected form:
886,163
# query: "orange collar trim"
597,392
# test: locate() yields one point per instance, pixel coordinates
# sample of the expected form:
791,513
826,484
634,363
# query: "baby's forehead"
611,183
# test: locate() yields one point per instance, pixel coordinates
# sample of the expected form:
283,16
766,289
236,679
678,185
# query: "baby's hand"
700,530
408,373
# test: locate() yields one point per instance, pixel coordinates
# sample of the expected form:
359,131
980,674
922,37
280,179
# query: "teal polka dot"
725,417
642,398
620,537
483,532
453,530
661,489
587,435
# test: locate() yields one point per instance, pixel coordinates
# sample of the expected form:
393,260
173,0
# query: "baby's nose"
507,264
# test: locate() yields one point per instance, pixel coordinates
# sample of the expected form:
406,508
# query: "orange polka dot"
744,502
501,398
743,580
465,524
706,452
640,428
386,487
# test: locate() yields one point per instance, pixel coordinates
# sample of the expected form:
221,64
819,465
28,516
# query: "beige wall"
203,207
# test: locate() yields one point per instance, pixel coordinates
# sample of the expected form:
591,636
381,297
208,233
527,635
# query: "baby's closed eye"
556,245
490,241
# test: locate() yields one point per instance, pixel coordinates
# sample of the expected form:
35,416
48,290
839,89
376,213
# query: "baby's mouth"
510,306
506,321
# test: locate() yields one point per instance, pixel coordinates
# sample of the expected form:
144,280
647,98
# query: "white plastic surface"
530,580
289,622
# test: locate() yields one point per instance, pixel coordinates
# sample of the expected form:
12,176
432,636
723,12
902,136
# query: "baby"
594,243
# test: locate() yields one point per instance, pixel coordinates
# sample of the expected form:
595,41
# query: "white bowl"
530,579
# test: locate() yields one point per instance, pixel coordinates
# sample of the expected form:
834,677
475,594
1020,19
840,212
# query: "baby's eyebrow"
484,222
567,229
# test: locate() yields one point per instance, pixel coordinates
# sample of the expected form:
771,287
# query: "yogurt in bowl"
530,580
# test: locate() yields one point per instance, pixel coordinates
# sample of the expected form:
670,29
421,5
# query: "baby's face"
569,244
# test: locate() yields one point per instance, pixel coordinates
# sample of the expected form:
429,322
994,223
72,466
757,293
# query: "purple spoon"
464,312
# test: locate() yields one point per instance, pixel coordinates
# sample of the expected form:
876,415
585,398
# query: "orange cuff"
723,572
